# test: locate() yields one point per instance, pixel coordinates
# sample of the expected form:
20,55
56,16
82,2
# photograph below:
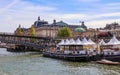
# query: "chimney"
54,21
38,17
82,23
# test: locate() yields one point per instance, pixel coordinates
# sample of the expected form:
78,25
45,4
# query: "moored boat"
68,56
72,50
110,50
107,62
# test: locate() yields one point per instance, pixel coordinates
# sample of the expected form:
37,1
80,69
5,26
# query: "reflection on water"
35,64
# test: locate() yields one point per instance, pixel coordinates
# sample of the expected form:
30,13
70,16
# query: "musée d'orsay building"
44,29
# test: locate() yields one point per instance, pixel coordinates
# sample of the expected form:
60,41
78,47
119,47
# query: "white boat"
107,62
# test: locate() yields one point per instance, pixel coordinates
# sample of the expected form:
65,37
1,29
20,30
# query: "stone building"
113,28
44,29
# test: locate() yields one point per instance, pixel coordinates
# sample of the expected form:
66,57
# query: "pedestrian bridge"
39,42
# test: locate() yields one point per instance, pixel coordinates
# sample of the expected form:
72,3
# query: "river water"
34,64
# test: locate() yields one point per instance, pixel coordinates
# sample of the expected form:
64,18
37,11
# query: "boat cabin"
75,47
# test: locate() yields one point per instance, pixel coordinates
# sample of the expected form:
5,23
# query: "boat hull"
83,57
70,57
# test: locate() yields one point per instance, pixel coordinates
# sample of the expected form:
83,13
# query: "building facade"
44,29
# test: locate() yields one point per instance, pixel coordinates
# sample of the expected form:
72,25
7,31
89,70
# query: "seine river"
35,64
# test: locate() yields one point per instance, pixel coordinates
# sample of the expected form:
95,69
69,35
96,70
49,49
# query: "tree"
32,33
64,32
19,31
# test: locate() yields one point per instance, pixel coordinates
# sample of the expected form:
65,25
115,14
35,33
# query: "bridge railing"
6,33
24,43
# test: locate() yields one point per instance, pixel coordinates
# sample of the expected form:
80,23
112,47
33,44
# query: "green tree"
32,33
64,32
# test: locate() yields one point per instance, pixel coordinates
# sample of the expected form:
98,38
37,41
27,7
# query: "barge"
86,50
72,50
70,57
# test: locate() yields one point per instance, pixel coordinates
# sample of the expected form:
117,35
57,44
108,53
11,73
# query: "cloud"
67,17
100,23
73,16
88,0
111,6
94,21
21,12
8,6
104,16
25,13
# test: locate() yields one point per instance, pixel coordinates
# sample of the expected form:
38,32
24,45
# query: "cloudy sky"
95,13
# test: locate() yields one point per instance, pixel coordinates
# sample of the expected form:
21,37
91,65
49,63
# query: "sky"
95,13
